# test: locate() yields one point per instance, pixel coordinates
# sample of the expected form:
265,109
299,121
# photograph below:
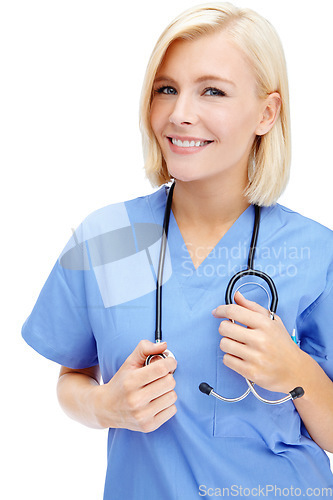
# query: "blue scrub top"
99,302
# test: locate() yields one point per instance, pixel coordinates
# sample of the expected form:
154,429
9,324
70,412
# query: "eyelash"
161,89
219,93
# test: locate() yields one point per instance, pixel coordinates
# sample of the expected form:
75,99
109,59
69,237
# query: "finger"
158,388
163,402
157,412
235,312
234,331
230,346
164,415
144,348
236,364
249,304
147,374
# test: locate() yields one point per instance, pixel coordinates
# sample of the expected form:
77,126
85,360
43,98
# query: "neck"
209,205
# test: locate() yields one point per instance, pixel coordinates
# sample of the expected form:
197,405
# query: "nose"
183,112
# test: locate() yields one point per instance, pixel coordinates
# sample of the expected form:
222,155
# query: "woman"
215,119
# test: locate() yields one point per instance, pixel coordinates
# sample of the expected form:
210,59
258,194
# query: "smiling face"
205,110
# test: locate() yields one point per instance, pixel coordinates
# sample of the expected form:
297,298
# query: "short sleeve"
58,326
315,327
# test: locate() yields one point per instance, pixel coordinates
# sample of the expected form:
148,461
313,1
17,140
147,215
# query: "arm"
264,353
76,391
316,406
139,398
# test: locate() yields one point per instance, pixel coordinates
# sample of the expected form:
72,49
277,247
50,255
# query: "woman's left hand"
260,349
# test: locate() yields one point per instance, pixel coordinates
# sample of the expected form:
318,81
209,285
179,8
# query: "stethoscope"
250,271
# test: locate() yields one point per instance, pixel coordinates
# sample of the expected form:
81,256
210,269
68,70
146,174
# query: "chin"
185,174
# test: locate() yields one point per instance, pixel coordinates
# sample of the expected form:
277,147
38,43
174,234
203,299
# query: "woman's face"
205,111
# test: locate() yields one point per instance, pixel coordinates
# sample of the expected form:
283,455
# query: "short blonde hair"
269,160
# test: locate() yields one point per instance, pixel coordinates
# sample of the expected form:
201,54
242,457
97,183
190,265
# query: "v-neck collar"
223,241
227,257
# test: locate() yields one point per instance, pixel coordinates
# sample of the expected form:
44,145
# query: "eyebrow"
201,79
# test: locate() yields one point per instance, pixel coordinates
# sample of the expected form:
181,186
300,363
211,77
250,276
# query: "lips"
187,145
188,142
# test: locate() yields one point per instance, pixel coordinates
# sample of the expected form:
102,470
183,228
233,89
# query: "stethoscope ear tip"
205,388
296,393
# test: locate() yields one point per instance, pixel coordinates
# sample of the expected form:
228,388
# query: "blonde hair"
269,160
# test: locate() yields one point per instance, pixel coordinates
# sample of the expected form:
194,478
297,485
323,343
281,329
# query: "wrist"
98,406
303,367
296,370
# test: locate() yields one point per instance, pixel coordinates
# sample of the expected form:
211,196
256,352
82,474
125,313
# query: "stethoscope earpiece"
272,306
250,271
296,393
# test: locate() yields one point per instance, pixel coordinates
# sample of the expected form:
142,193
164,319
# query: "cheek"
223,121
157,117
153,117
239,124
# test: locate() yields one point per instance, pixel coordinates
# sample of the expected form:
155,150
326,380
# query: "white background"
70,85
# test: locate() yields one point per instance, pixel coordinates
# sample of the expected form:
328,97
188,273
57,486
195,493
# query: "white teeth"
188,144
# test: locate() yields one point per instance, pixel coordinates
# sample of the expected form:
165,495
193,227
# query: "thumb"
249,304
144,348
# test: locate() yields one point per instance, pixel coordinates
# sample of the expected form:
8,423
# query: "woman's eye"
211,91
166,90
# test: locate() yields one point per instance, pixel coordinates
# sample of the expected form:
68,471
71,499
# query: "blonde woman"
215,122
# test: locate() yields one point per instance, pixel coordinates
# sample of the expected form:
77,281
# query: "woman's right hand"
139,398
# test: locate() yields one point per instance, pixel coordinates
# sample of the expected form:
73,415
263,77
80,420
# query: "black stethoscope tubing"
250,271
159,281
204,387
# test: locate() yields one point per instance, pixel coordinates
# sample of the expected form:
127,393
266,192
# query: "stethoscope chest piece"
156,357
250,271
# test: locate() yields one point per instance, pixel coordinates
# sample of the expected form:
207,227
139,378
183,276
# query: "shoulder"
296,216
304,250
302,242
110,227
299,228
289,216
121,214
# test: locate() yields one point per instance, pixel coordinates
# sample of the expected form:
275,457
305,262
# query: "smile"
188,144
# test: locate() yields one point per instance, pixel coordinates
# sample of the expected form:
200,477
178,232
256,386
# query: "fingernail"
213,312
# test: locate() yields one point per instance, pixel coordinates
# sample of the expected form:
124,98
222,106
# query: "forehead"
209,54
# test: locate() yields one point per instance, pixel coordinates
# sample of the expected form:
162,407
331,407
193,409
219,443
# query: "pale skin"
197,102
264,352
138,398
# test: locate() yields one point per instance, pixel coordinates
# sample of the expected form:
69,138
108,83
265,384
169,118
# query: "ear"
270,113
